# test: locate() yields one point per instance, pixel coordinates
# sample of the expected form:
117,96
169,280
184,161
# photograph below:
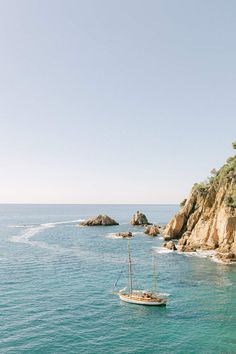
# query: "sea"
57,281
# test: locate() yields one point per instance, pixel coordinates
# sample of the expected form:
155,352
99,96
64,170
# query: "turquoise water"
56,281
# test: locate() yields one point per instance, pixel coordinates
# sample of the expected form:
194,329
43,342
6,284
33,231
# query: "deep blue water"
56,283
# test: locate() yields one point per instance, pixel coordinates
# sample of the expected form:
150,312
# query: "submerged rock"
139,219
152,230
170,245
100,220
124,234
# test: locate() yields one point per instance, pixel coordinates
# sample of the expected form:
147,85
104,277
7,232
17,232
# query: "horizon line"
48,203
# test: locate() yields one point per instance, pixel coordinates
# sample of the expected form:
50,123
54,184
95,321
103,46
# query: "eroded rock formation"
139,219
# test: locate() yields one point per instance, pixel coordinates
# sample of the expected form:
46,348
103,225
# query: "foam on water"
111,235
17,226
210,254
162,250
199,253
31,231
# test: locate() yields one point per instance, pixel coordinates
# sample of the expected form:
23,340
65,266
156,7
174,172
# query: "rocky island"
207,219
139,219
100,220
124,234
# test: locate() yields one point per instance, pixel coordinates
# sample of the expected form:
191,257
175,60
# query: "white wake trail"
31,231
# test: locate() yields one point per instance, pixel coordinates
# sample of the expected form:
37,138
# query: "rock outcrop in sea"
170,245
124,234
139,219
152,230
207,219
100,220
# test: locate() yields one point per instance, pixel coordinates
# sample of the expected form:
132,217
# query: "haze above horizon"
114,102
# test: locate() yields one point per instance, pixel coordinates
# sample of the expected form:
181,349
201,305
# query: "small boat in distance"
141,297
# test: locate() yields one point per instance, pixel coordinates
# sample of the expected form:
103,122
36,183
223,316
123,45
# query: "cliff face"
207,220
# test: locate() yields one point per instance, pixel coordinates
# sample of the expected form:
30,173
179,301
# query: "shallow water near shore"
57,280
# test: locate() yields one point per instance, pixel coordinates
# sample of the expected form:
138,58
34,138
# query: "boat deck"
142,300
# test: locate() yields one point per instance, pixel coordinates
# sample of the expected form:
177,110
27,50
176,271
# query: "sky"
114,101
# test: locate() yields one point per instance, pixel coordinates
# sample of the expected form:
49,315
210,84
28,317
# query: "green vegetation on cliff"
226,174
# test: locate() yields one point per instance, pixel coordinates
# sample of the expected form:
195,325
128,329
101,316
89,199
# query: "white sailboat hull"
139,301
141,297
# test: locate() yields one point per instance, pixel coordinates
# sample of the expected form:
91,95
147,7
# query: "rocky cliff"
207,219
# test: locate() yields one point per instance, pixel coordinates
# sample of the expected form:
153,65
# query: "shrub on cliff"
182,204
202,188
230,201
227,173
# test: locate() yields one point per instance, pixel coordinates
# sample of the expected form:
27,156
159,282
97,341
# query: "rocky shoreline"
207,219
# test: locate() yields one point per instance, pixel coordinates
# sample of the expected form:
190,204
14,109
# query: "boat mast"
154,274
130,270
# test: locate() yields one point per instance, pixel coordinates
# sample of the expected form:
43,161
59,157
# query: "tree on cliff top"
234,144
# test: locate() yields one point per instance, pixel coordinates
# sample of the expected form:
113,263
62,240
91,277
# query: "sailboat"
141,297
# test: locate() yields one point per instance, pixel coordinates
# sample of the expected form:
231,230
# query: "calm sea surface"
56,282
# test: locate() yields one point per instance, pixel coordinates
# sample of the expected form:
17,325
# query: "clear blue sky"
114,101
